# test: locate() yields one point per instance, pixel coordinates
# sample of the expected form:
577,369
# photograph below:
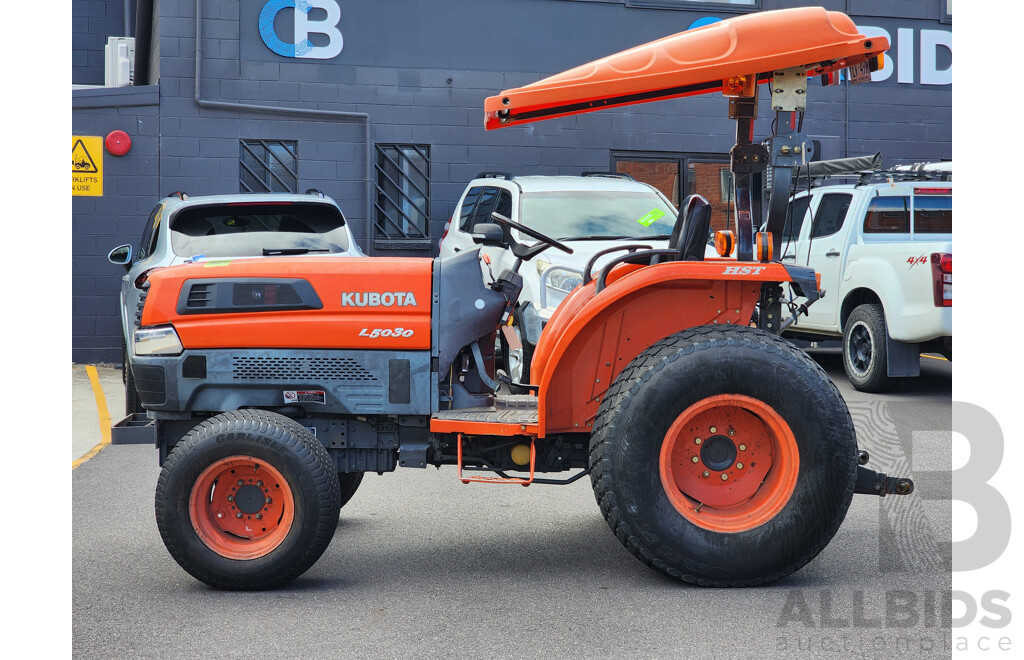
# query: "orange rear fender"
592,336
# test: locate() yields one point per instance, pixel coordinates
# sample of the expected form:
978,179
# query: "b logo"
301,45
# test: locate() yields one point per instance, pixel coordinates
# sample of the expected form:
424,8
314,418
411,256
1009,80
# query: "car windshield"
592,214
255,229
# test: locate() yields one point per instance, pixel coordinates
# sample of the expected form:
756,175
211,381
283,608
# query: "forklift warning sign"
87,165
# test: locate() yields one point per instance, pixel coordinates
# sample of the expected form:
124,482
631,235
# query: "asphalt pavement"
423,566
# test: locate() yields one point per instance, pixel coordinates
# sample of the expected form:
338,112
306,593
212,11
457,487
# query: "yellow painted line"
104,414
935,357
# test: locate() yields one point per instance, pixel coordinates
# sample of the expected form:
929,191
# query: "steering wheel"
528,252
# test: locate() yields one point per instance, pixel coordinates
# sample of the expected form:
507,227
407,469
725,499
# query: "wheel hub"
729,463
249,499
718,453
241,507
860,348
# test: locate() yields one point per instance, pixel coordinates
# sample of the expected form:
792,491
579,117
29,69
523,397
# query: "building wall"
421,69
92,21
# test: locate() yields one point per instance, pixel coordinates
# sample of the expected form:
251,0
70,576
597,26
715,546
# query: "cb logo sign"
301,46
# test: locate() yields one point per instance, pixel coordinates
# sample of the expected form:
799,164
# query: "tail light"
447,226
942,279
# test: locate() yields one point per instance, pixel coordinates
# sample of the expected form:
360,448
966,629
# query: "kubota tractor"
719,453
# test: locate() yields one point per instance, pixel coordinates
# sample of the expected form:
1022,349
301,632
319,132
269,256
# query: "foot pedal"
500,480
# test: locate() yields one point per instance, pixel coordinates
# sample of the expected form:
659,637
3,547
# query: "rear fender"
593,336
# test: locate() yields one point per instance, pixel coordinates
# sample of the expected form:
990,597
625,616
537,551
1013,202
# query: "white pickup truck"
884,250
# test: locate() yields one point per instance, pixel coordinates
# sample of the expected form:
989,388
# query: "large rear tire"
732,401
247,500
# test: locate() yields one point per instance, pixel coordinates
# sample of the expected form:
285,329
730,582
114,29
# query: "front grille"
299,369
199,296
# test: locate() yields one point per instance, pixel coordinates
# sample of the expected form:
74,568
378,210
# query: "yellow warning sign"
87,165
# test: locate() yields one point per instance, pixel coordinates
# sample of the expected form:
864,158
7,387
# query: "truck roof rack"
494,175
610,175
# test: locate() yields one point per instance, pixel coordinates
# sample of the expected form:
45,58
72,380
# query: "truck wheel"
348,484
247,500
723,456
864,349
131,395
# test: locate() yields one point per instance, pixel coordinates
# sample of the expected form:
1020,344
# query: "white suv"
590,213
883,248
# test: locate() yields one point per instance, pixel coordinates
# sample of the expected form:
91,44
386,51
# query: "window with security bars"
268,166
402,200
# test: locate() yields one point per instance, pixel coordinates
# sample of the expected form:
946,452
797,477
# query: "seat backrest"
690,234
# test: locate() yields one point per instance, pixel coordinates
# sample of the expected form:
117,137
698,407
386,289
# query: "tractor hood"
697,61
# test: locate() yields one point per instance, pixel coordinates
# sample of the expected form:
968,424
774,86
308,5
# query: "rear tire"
789,426
865,355
257,534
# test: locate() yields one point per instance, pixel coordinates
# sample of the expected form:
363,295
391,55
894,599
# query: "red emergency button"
118,143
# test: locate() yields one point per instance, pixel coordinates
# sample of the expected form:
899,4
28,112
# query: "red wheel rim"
729,463
241,507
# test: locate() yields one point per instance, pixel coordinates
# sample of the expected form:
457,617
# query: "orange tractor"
719,453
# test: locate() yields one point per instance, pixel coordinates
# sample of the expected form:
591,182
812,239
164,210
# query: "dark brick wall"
421,70
98,224
92,21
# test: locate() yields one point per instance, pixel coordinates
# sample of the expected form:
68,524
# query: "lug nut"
268,500
259,516
697,441
724,476
231,498
260,484
739,466
238,515
695,459
743,448
240,482
714,430
220,515
706,474
732,432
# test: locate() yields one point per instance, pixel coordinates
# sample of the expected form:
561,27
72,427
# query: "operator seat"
693,225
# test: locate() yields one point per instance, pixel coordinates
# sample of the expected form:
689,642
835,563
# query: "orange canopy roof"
693,62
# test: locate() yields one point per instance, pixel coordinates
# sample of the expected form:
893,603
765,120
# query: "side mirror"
121,256
488,234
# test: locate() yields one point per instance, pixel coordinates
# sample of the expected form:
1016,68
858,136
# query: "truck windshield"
243,230
575,214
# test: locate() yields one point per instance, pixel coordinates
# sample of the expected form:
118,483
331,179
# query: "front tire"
348,484
865,355
751,399
248,499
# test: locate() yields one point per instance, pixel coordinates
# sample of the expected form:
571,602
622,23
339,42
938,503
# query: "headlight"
564,280
542,265
162,340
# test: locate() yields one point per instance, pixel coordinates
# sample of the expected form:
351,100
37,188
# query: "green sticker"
650,218
216,264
